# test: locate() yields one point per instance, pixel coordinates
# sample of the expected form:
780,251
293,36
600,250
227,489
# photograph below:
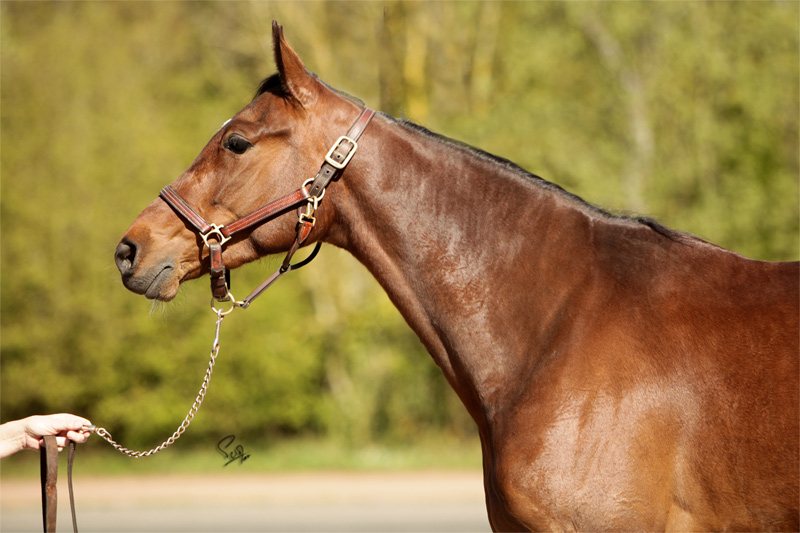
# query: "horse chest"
555,492
581,465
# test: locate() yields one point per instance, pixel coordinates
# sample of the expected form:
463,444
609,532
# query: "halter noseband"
310,194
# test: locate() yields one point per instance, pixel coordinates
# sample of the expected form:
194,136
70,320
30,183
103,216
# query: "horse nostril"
125,256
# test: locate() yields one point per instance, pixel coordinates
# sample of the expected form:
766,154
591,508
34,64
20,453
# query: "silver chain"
102,432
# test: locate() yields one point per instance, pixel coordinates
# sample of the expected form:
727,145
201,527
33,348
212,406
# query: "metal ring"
223,312
316,199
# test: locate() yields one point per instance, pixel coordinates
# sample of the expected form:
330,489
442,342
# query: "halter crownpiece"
310,194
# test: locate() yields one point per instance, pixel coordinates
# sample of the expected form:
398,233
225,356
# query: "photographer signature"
236,454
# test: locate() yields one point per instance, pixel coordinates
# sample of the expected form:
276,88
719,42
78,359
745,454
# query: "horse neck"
462,244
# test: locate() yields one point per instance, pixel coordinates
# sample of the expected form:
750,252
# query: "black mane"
513,167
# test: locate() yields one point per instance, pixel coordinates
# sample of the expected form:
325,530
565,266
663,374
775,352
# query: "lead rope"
305,224
102,432
70,460
49,451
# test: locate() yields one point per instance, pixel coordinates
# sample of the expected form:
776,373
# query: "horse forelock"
273,84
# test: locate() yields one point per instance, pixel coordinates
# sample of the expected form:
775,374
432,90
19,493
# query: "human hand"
26,434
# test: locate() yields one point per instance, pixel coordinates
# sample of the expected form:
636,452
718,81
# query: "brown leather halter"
310,194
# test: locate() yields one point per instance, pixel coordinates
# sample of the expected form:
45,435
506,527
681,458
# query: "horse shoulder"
615,429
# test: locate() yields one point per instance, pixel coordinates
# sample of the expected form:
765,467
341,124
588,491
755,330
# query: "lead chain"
102,432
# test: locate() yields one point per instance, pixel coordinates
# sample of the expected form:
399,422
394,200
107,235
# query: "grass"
439,453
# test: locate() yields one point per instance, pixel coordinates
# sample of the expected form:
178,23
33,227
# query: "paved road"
336,502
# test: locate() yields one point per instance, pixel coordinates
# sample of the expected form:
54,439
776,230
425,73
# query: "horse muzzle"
156,282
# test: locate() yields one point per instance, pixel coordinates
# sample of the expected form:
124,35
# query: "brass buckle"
329,158
215,231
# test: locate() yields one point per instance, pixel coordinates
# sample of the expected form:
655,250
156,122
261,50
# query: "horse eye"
237,144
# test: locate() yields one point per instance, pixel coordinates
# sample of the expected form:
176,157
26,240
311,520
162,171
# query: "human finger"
78,436
67,422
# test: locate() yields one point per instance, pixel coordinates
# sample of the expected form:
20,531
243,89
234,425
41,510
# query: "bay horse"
622,375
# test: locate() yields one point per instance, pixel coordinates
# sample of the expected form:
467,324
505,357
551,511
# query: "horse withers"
622,375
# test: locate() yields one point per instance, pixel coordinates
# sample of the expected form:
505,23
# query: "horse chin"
160,283
163,290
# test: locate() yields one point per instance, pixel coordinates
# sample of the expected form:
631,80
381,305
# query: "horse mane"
541,182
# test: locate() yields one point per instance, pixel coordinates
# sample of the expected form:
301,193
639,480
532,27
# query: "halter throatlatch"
308,196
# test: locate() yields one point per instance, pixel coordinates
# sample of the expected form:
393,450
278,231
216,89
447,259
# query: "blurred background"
684,111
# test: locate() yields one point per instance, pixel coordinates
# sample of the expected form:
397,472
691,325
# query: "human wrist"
12,437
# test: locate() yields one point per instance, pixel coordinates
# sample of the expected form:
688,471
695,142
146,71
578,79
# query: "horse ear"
297,83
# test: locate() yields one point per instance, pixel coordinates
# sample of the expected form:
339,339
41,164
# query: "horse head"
268,149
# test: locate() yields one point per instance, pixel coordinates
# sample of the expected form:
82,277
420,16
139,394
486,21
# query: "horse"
622,375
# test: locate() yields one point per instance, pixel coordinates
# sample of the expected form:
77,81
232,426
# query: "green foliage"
685,111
